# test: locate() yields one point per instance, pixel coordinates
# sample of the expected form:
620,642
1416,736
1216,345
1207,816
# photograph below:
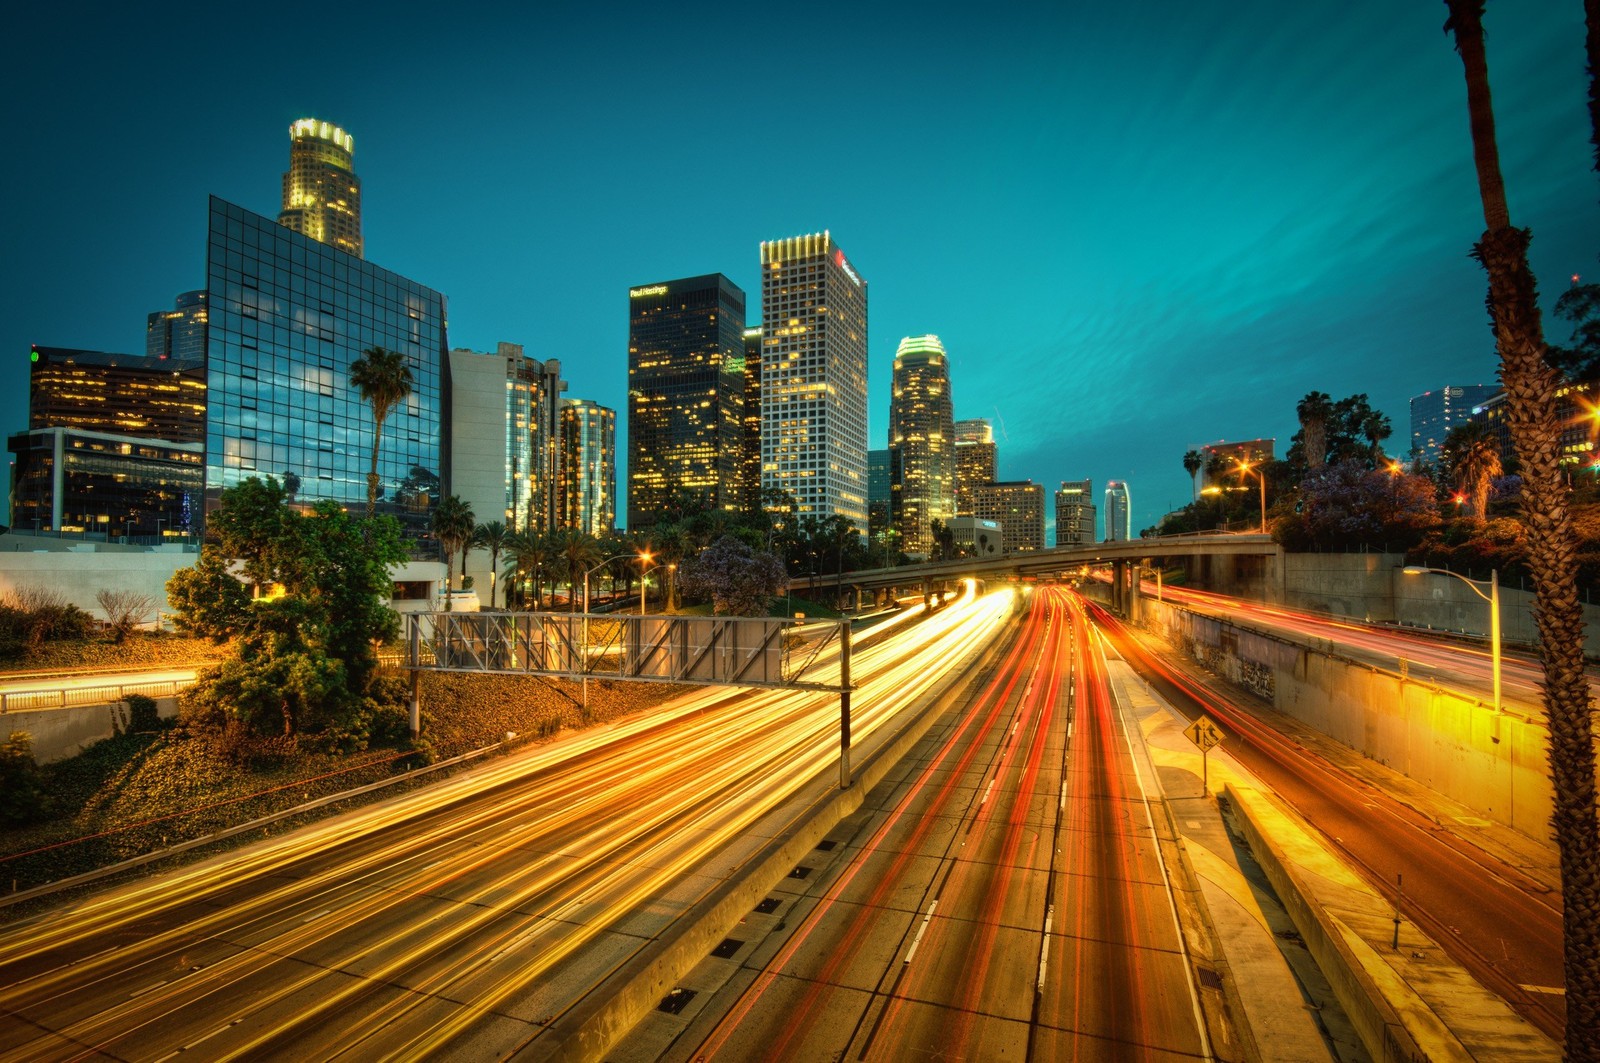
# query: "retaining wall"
61,733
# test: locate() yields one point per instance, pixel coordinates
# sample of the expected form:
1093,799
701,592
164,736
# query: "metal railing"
69,697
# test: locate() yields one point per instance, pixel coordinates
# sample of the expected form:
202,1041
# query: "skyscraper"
977,462
504,435
145,396
1018,505
814,377
686,365
1075,513
1119,517
878,492
750,467
288,317
178,336
921,442
1434,413
321,192
588,479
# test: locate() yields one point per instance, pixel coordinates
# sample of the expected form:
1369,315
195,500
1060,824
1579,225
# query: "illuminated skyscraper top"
321,192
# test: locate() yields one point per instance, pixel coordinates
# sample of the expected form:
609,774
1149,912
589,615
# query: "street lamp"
584,663
1493,598
1244,467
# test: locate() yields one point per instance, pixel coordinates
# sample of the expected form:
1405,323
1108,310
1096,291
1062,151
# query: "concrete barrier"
60,733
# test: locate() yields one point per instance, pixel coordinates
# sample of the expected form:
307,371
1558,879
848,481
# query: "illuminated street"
461,918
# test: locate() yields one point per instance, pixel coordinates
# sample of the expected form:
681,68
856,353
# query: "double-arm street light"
644,558
1244,467
670,567
1493,598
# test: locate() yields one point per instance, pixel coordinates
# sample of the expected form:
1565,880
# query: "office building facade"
1018,506
1434,413
321,192
287,318
878,492
75,481
750,467
921,443
178,336
814,377
686,372
125,394
977,461
1119,512
586,488
505,435
1075,513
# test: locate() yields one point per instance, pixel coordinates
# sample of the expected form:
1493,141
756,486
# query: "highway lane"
1008,903
1498,922
459,919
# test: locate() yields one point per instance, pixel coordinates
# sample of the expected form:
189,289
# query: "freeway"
462,919
1011,902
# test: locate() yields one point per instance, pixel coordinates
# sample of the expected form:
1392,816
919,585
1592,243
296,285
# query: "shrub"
125,611
142,713
22,794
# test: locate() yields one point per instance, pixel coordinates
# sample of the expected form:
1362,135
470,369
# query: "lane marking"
912,951
146,989
1044,947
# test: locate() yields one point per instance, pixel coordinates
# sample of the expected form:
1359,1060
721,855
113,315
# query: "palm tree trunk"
372,474
1530,386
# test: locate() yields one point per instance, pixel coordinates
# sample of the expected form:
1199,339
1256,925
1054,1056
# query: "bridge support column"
1135,595
414,703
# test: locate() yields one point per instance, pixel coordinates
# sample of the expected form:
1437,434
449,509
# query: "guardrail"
67,697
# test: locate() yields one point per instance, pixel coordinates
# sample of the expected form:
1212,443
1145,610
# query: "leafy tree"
384,380
1580,306
739,581
453,524
1347,504
23,796
1193,461
1530,385
304,657
1472,454
494,538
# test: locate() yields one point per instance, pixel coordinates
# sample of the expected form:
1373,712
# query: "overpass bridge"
1252,560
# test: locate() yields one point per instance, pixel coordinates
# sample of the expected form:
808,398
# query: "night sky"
1137,228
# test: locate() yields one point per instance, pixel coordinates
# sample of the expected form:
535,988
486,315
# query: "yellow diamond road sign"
1203,733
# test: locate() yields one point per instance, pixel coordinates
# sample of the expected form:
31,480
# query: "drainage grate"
800,872
827,845
768,906
1209,978
674,1001
726,950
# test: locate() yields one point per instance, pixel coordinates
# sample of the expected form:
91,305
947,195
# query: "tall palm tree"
530,556
384,380
1530,386
1193,462
1472,454
1314,411
492,537
453,522
578,552
1376,427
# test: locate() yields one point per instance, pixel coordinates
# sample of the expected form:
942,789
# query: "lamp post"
583,665
159,522
1493,598
1244,467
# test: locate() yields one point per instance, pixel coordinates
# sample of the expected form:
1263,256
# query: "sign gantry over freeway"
702,650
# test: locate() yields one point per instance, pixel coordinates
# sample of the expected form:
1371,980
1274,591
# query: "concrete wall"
61,733
1451,743
1358,585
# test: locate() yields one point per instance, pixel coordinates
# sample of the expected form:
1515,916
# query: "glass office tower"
588,466
288,316
922,464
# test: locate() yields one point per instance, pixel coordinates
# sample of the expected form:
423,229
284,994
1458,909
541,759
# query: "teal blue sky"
1136,227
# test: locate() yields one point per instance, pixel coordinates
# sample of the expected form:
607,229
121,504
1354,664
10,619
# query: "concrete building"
1434,413
321,192
1119,512
977,461
814,377
921,443
1075,513
686,373
1018,506
977,537
587,484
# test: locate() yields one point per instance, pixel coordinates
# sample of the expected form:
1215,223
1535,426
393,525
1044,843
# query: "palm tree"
578,551
1472,454
1314,411
1193,462
384,380
492,537
530,555
1376,427
1530,386
452,525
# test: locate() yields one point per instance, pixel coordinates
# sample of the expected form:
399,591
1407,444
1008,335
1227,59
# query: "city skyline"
1136,217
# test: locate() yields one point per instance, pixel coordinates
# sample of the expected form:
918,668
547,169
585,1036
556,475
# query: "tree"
530,555
1347,504
125,610
453,523
578,552
304,657
494,538
1530,385
1579,305
1314,411
1193,462
1375,428
738,580
1472,454
384,380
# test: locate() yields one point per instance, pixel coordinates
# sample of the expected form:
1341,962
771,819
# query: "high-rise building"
921,442
321,192
588,479
1018,506
178,336
1575,403
814,377
288,316
1075,513
1434,413
97,484
878,492
1119,512
977,462
504,435
686,366
142,396
750,468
